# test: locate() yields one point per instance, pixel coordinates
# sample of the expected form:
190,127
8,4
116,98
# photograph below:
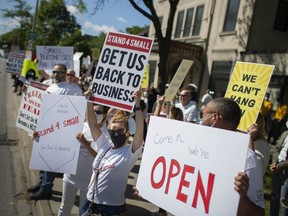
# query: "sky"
116,15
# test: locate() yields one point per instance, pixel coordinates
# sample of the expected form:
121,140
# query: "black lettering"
106,55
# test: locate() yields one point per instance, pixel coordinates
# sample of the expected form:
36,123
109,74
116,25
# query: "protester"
225,113
80,181
188,106
279,167
43,189
114,161
260,144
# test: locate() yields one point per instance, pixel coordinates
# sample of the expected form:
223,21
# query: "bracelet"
139,108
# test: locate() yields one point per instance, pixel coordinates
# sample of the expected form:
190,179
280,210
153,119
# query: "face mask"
99,118
287,124
119,140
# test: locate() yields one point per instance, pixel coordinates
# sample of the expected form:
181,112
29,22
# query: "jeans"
104,210
279,190
68,197
46,180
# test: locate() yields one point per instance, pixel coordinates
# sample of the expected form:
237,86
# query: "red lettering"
171,174
183,182
160,183
200,188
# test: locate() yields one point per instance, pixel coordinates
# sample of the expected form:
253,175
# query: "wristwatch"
137,108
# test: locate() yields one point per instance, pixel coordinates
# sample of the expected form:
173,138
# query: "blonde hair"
120,117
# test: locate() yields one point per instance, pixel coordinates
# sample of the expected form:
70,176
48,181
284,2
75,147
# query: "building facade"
229,31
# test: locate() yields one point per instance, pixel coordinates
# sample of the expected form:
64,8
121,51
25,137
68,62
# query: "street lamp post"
33,35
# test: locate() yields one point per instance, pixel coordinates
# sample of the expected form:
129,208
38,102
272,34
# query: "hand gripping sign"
120,69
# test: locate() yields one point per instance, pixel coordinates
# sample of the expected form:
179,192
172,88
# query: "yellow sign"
30,70
247,87
145,78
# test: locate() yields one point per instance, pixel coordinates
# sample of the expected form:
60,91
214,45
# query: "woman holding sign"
114,161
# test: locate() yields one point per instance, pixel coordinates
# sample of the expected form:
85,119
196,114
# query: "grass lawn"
267,191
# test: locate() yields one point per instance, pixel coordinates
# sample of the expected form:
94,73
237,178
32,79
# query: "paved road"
13,177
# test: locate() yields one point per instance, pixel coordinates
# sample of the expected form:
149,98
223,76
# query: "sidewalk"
50,207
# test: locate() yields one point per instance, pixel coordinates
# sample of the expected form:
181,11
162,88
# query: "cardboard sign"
29,109
178,79
15,63
182,167
145,78
247,87
49,56
120,69
57,149
29,71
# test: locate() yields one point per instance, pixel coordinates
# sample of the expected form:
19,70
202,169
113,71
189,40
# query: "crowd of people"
112,141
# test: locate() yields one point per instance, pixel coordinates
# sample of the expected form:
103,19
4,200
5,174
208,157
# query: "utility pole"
33,34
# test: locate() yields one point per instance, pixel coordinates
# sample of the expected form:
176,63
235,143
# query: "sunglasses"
117,132
59,72
98,112
70,75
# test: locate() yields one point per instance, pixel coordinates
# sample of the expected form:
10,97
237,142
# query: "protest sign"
49,56
57,149
15,63
76,60
145,78
29,71
182,167
247,86
29,109
178,79
120,69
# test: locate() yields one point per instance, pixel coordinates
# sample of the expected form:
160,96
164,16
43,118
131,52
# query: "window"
198,20
188,22
281,21
152,70
231,15
161,20
179,24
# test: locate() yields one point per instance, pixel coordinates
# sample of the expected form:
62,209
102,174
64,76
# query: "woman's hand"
241,184
88,93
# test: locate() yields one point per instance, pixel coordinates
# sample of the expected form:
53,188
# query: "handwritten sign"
247,87
182,167
15,63
49,56
29,109
178,79
120,69
57,149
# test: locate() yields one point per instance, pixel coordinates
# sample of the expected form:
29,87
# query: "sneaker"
40,195
33,189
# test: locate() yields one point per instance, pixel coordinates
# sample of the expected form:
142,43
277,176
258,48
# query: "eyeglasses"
98,112
117,132
70,75
209,116
59,72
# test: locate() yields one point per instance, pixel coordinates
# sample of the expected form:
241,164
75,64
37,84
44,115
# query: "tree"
163,41
20,13
136,29
55,25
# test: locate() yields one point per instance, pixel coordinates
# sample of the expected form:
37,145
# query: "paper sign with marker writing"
178,79
120,69
29,109
57,149
182,168
247,87
15,63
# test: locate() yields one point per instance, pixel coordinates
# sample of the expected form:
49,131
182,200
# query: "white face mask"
99,118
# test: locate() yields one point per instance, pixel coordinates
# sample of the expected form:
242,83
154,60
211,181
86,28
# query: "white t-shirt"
190,111
262,151
253,169
115,167
64,88
83,173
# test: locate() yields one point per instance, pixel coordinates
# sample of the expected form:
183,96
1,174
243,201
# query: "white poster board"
120,69
15,63
49,56
182,168
29,109
57,149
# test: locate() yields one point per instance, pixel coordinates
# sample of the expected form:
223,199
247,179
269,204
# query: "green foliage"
136,29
